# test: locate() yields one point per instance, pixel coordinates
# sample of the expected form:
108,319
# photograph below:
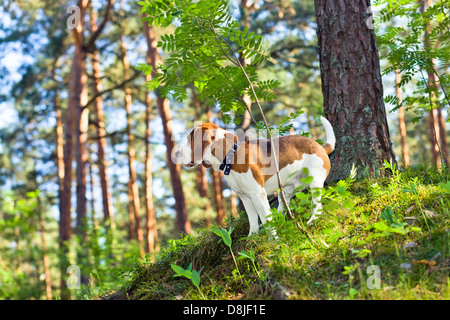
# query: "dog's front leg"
252,214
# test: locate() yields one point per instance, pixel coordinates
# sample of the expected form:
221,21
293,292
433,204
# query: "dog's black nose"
177,154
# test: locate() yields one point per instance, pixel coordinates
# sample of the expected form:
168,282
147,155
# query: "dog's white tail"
331,139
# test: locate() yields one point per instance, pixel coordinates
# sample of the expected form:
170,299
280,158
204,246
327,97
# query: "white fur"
331,139
253,196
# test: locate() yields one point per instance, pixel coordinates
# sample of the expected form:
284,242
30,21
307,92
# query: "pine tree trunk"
401,120
443,137
352,88
152,232
108,213
200,172
245,23
218,198
182,221
45,259
133,187
433,116
76,83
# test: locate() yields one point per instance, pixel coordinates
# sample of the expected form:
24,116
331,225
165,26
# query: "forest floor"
385,238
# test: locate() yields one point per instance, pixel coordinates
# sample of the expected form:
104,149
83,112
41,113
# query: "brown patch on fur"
328,148
204,133
256,155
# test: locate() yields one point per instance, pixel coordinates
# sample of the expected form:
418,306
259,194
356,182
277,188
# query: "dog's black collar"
228,161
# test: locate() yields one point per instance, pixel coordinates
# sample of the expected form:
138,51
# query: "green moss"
294,267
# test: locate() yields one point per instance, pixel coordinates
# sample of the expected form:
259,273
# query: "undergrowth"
376,239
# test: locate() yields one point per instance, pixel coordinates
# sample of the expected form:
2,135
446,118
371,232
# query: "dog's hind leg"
288,193
316,185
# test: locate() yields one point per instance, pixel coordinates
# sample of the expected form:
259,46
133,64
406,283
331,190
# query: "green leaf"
307,180
195,278
180,272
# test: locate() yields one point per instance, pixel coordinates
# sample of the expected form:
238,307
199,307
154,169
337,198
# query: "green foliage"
225,236
189,273
376,227
252,257
403,43
205,51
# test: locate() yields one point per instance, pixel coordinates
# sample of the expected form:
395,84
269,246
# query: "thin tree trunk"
108,213
352,88
76,83
152,232
443,136
200,172
433,86
245,23
401,120
45,259
131,216
131,153
218,198
182,221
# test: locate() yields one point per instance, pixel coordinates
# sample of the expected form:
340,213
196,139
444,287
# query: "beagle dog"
249,167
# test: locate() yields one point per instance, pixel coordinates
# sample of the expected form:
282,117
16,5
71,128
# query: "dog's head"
200,143
192,147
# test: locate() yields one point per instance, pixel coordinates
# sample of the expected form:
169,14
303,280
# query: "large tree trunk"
352,88
152,232
182,221
133,187
401,120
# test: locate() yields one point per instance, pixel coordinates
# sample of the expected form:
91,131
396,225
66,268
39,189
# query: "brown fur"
257,154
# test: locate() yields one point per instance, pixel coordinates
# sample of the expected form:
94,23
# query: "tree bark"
76,83
401,120
182,221
151,230
108,213
352,88
218,197
245,23
133,187
45,259
437,141
200,172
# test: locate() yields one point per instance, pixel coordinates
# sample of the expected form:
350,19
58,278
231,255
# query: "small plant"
411,188
189,273
225,236
251,256
389,225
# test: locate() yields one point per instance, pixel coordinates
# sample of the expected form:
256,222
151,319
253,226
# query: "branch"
117,86
89,47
